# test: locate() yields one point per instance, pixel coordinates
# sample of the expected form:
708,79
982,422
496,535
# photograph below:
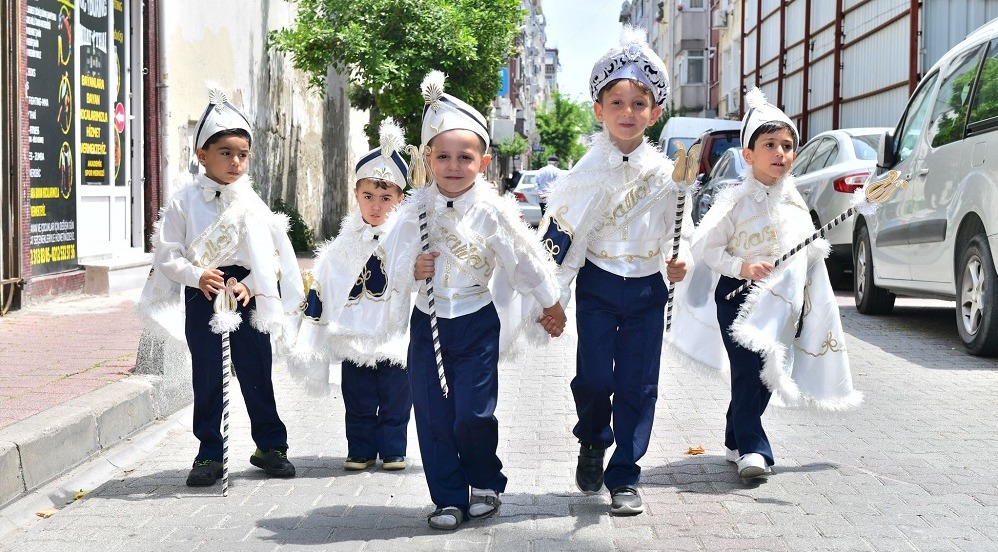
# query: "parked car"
728,171
934,237
714,144
686,130
828,169
525,193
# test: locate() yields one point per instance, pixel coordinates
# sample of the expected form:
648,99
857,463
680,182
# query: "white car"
828,169
525,193
938,237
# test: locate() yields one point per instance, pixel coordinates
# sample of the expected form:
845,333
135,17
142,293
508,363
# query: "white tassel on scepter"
865,200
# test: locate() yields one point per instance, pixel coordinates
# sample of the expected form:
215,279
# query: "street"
911,469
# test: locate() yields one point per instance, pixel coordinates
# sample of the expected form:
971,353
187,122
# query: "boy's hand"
242,293
675,270
211,283
424,265
756,271
554,320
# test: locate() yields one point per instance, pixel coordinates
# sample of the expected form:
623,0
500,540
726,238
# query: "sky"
582,30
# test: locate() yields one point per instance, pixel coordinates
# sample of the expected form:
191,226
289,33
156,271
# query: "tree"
388,46
560,129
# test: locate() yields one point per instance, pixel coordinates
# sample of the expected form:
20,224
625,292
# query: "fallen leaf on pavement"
695,450
80,494
47,513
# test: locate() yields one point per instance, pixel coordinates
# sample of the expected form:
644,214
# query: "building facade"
101,98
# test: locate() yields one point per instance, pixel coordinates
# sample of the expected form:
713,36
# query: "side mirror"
885,151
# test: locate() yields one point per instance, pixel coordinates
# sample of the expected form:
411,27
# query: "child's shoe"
752,465
275,462
731,455
484,503
448,518
626,501
392,463
589,471
204,473
355,463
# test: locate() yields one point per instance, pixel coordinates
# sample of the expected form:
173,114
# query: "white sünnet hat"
760,111
443,112
218,116
385,162
631,59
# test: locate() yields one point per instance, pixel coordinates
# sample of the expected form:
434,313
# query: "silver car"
525,193
828,169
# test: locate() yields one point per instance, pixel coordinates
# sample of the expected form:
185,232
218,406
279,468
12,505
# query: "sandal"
448,518
484,503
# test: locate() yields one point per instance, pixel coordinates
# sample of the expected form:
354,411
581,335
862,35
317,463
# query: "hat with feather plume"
760,112
631,59
218,116
443,112
385,161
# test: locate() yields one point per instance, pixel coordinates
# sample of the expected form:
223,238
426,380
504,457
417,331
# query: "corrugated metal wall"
861,59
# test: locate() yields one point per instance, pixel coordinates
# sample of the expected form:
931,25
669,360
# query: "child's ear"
747,155
485,162
201,155
656,113
598,111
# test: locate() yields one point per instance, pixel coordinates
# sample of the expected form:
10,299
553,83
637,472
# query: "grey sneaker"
626,502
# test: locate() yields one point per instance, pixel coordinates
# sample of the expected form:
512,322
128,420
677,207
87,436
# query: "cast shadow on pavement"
712,474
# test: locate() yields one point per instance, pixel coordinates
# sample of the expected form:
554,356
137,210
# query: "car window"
722,144
527,179
949,114
866,146
721,167
803,156
985,104
914,118
824,155
670,150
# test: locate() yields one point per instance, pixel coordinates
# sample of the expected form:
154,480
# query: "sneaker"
392,463
484,503
355,463
275,462
625,501
448,518
204,473
731,455
589,471
752,465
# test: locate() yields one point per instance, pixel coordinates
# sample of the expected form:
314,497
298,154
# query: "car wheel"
869,298
977,298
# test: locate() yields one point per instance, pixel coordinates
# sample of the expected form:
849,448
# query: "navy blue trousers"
459,435
251,357
749,395
378,403
620,322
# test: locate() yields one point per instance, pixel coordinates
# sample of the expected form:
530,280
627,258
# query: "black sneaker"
392,463
204,473
589,472
275,462
626,502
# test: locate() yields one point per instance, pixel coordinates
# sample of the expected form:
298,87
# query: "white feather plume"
216,96
392,139
755,98
433,86
630,34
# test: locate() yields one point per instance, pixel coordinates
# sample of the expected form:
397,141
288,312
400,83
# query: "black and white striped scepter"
683,175
229,305
874,194
417,179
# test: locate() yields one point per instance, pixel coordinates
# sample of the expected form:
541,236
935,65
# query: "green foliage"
512,146
302,237
560,129
388,46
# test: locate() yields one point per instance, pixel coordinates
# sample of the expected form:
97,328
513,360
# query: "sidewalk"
69,388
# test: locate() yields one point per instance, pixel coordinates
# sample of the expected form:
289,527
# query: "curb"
38,449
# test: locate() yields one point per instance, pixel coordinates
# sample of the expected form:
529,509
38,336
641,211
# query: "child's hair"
482,148
772,126
229,132
379,183
641,86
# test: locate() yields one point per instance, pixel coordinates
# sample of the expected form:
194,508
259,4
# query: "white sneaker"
731,455
752,465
